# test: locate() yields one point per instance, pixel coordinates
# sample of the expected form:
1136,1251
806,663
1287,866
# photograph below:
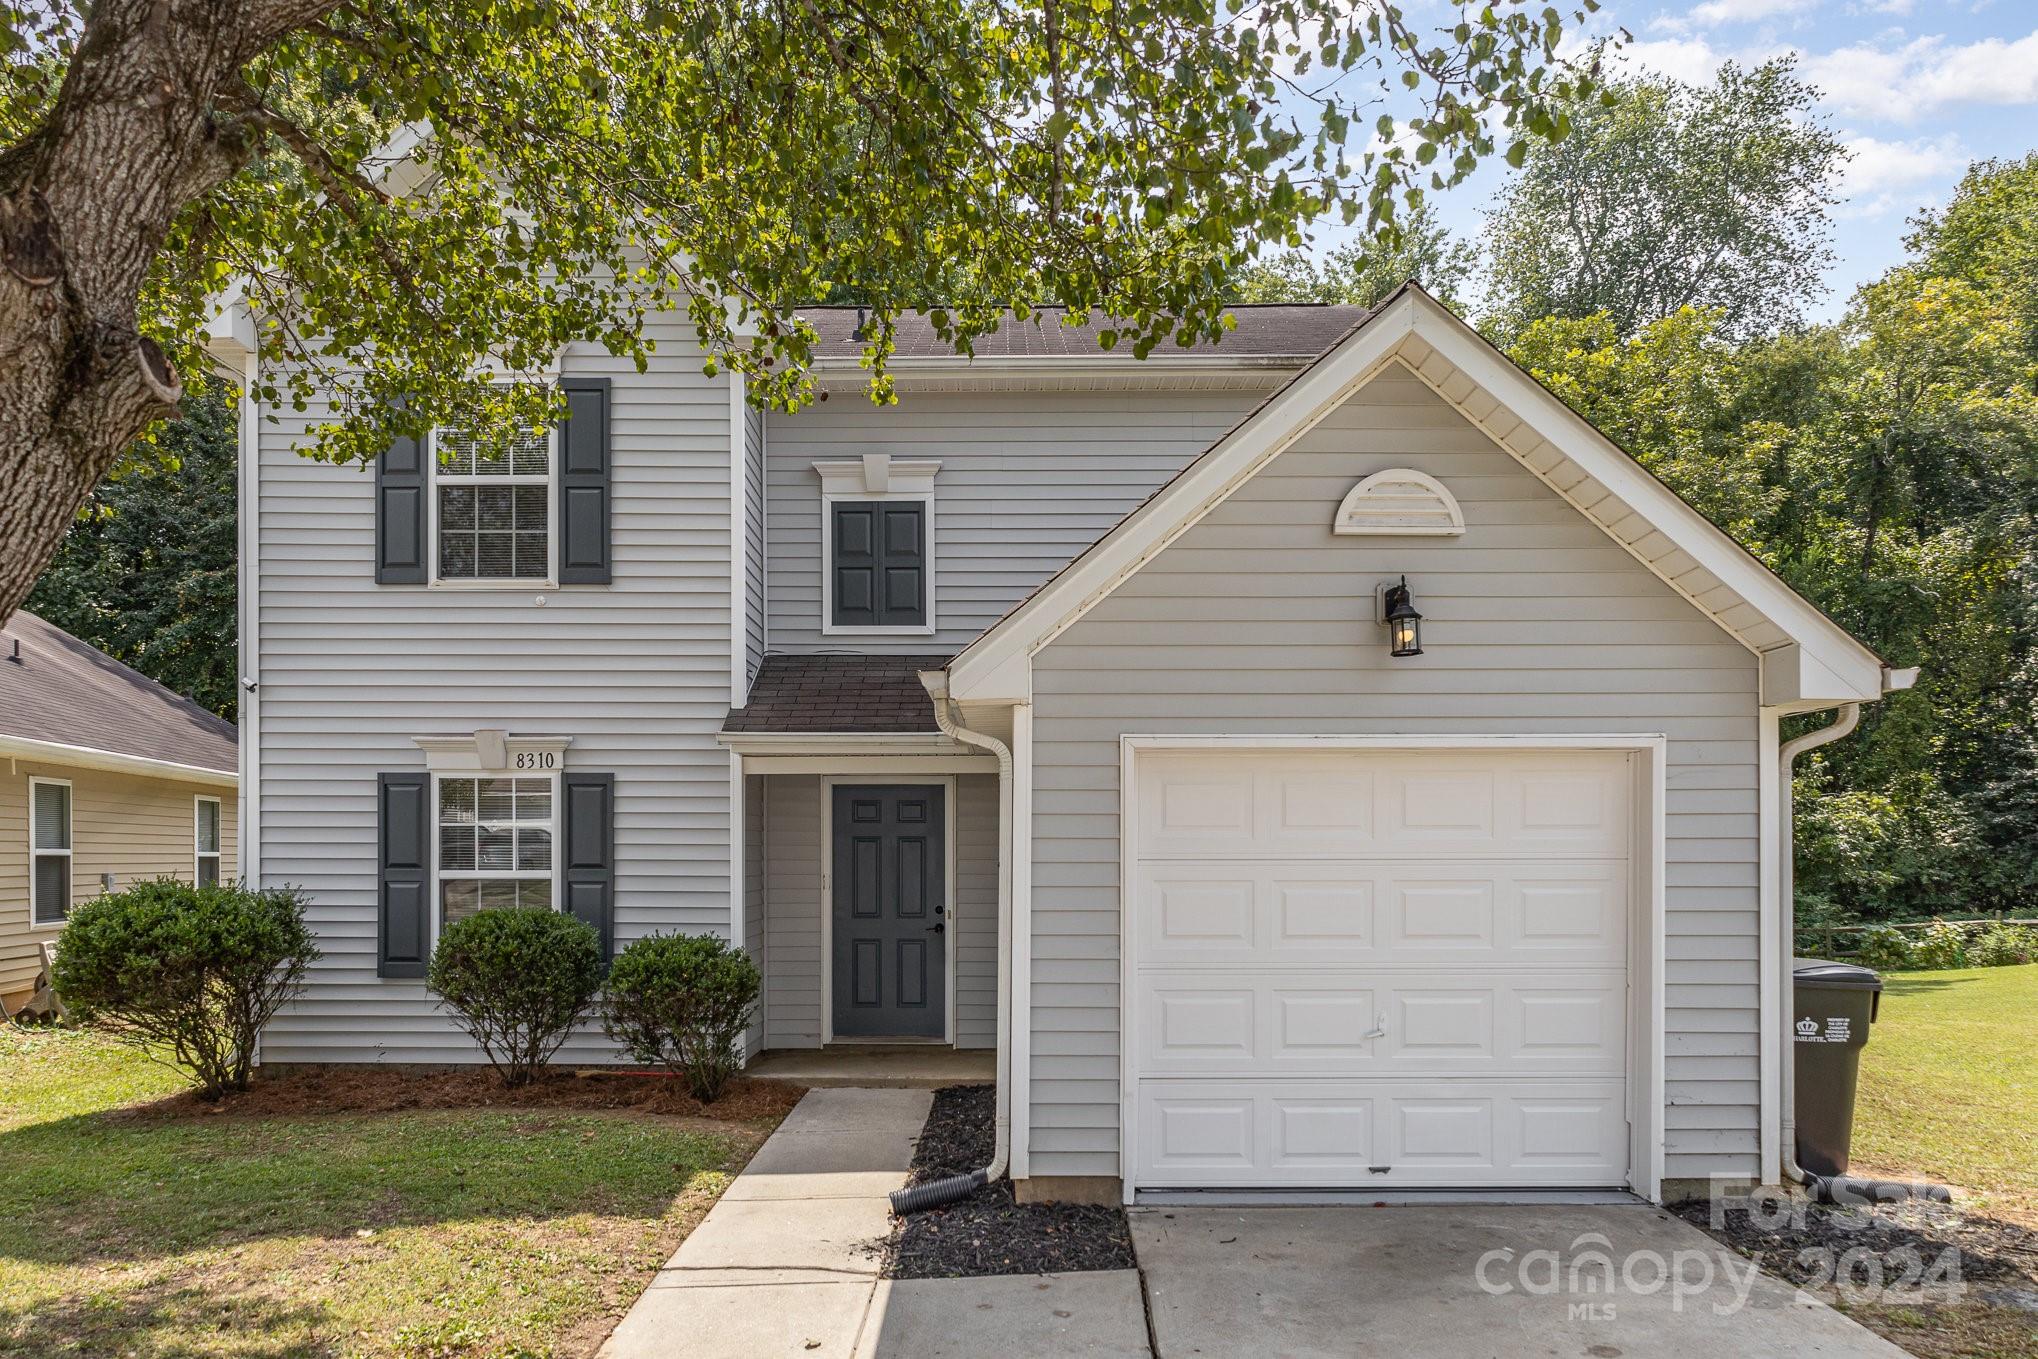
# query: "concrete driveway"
1457,1281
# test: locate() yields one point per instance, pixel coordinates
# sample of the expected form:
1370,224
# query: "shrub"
196,971
1886,949
1944,945
681,1002
518,978
2004,945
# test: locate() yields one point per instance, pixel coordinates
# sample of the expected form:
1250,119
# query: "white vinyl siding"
1028,481
753,541
1259,620
636,672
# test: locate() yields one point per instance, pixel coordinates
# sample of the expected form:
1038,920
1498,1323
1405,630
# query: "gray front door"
890,920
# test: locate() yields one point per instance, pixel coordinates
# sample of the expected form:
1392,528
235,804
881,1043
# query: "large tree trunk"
136,133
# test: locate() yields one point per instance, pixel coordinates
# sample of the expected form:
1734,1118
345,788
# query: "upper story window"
492,507
206,834
49,846
496,838
878,535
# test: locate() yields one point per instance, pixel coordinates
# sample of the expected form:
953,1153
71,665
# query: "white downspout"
1849,718
936,682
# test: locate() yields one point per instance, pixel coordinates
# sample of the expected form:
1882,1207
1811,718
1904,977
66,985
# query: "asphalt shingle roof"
56,688
1271,331
816,694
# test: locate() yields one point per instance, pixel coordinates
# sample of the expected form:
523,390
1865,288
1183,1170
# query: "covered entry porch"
869,882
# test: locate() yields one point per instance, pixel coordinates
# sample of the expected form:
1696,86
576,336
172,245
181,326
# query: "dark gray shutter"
584,483
400,488
589,817
404,881
880,564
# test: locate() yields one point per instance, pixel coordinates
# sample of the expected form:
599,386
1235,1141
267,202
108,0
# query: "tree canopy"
419,197
1887,467
1363,271
1668,195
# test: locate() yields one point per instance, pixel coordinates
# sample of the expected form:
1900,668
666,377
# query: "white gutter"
1849,718
114,762
936,682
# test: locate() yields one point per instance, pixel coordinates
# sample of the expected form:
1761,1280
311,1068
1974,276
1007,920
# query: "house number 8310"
537,759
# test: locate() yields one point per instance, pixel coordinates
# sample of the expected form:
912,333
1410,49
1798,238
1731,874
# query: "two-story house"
1376,770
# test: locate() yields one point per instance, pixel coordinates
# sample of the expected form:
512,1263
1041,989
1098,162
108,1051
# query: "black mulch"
1895,1241
988,1233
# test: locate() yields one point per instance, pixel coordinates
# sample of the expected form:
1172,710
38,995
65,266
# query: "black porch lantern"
1404,624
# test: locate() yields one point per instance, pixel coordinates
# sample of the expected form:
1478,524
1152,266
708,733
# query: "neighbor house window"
49,843
208,840
495,844
492,506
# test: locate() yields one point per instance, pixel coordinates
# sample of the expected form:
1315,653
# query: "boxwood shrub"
517,979
190,973
681,1002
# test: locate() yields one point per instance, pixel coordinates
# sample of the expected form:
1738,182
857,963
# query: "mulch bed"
373,1090
989,1233
1894,1240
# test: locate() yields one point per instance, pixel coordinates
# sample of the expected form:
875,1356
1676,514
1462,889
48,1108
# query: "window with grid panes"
493,506
495,844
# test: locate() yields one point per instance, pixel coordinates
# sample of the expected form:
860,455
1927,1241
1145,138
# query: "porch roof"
815,695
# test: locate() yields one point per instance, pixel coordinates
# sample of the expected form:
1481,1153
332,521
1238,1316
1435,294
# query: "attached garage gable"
1482,909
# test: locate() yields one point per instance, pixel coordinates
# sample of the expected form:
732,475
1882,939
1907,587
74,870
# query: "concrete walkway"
784,1265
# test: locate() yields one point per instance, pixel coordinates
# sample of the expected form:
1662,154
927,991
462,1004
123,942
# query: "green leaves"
595,168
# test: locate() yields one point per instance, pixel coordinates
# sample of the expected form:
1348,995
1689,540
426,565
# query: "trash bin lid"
1825,972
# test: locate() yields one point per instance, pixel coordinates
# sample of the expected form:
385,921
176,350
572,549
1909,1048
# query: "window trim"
550,481
881,477
440,874
35,919
199,853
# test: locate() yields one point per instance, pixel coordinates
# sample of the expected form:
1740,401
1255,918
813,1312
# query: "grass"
450,1234
1949,1086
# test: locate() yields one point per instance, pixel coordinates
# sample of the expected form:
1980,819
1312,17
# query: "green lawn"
461,1234
1949,1085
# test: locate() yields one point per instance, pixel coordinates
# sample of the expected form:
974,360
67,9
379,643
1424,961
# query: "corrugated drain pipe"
937,1192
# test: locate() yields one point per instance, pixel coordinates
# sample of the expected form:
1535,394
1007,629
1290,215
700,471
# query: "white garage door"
1359,969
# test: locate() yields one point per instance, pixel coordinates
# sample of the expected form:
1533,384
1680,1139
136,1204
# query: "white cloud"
1747,11
1692,60
1925,76
1882,174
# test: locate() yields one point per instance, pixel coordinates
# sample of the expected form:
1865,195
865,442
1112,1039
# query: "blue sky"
1917,89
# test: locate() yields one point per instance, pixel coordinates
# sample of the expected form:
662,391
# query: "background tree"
1362,272
594,162
1887,467
1668,195
146,573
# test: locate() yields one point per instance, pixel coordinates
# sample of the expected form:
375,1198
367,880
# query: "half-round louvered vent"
1399,501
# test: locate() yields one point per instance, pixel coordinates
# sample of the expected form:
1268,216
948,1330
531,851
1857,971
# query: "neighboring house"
110,779
1294,912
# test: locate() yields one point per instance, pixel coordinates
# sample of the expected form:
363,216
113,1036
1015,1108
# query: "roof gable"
1808,661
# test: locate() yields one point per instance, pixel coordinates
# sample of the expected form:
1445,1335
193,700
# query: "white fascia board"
1849,668
997,666
840,743
114,762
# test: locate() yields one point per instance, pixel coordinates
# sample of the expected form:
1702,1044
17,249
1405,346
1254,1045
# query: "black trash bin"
1834,1003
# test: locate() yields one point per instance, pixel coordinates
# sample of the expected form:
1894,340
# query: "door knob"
937,929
